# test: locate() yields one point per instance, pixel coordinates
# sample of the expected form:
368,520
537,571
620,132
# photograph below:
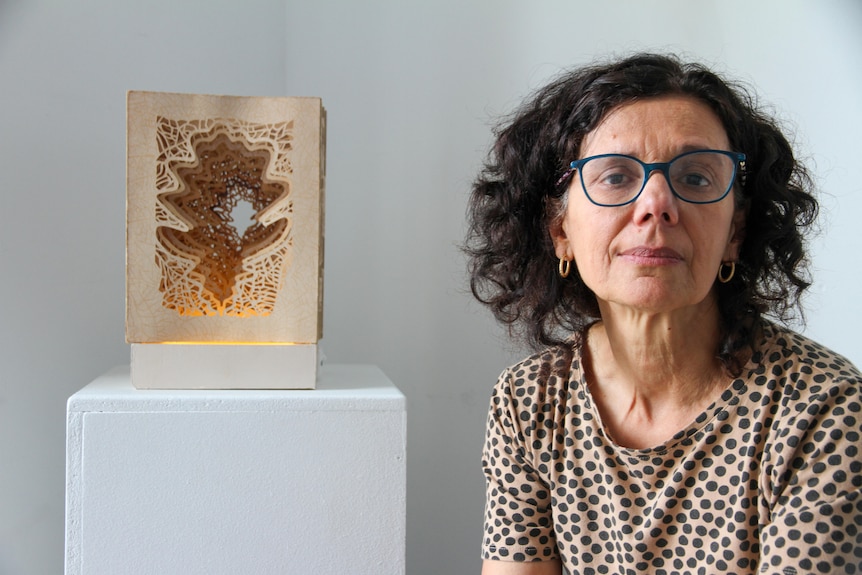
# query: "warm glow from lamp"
225,343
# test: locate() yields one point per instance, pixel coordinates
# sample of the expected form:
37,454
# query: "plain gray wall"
411,89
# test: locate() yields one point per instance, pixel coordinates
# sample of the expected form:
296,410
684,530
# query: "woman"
639,220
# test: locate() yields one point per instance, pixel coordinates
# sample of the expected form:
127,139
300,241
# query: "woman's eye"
617,179
695,180
617,175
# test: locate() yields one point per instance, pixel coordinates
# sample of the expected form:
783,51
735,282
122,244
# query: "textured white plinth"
191,482
224,366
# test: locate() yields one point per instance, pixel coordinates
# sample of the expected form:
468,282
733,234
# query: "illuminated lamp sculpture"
224,247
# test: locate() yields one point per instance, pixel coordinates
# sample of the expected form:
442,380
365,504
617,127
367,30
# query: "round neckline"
708,414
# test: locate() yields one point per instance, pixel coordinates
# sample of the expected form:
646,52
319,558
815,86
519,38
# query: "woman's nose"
657,200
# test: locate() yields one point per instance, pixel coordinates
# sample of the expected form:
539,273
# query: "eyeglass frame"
664,168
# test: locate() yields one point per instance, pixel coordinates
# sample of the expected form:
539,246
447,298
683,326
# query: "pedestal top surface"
339,386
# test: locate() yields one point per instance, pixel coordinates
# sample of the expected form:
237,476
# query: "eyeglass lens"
699,177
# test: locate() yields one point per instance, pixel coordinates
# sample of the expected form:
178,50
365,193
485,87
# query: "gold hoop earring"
723,276
565,267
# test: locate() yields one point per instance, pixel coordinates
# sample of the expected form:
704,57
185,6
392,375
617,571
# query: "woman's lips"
652,256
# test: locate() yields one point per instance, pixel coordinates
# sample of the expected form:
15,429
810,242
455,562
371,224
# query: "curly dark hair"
515,200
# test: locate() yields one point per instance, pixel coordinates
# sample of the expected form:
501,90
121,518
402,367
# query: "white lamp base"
224,366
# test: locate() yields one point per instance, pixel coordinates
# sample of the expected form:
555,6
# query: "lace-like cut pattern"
206,171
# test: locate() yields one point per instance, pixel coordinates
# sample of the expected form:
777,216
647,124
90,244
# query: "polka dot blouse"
767,480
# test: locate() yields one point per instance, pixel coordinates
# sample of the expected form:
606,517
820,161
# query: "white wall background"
411,89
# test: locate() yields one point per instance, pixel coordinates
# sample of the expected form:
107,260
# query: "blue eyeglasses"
697,177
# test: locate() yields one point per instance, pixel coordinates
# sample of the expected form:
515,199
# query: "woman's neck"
652,374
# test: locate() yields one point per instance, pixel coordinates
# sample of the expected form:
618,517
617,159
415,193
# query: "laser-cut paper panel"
224,218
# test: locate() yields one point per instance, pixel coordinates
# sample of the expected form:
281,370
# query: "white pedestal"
237,482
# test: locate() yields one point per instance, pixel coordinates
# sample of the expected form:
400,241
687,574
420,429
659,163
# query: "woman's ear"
737,235
557,231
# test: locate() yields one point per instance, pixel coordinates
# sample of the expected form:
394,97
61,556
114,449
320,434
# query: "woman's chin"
654,296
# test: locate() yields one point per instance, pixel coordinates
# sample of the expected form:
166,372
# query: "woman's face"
659,253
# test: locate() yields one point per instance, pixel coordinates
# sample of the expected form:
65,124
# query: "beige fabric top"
767,480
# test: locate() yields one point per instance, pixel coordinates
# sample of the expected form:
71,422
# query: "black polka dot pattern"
767,480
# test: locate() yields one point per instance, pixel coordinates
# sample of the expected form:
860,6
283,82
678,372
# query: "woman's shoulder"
533,394
788,354
548,364
548,372
802,378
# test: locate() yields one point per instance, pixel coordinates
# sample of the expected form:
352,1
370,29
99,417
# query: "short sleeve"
518,522
826,538
814,490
